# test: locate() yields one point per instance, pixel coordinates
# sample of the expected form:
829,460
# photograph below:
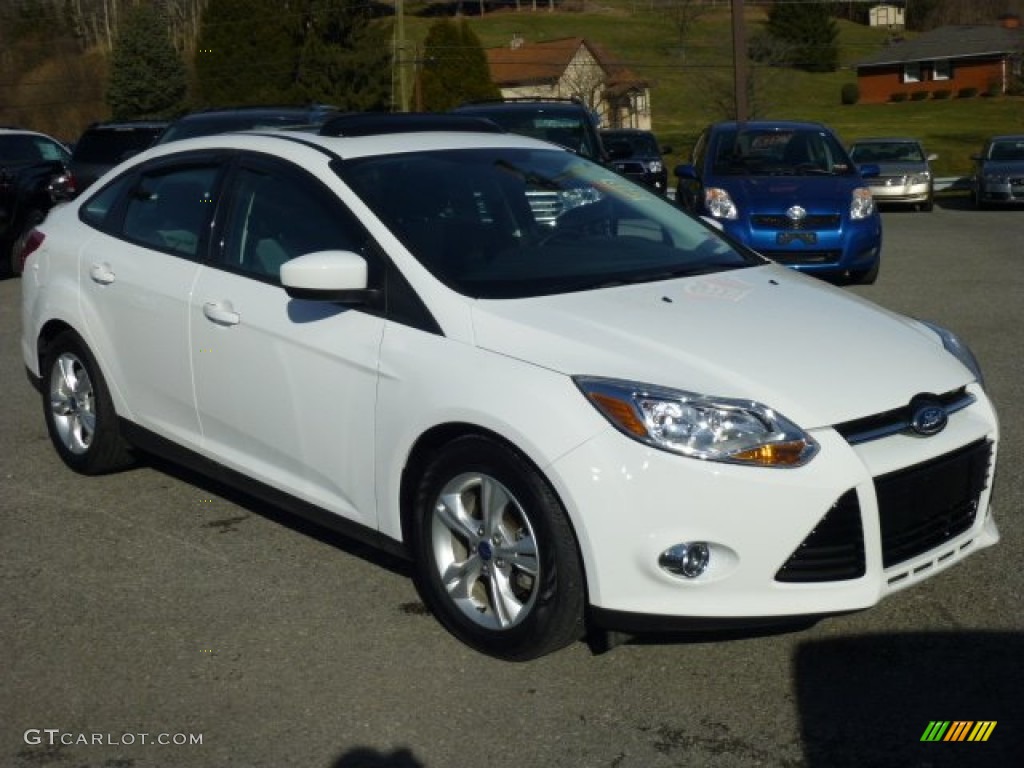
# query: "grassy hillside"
690,81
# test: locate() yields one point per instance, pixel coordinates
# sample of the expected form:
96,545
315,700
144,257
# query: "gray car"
999,172
906,174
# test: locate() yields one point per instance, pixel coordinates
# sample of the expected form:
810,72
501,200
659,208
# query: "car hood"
813,352
890,169
777,193
1013,167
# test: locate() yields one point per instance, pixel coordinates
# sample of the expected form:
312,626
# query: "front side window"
509,223
169,210
275,215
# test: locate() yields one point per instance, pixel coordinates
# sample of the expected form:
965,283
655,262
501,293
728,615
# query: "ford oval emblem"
796,213
929,419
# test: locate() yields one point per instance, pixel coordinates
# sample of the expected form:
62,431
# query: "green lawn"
689,82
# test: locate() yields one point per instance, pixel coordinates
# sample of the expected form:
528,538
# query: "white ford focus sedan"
566,401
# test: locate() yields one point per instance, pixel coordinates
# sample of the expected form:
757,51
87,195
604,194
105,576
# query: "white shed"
886,16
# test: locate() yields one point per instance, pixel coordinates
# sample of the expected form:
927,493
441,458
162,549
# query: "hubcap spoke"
459,578
503,601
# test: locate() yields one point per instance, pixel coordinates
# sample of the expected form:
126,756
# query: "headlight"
719,204
655,166
698,426
919,178
958,349
862,203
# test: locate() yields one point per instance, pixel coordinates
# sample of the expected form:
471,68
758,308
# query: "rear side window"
111,145
170,210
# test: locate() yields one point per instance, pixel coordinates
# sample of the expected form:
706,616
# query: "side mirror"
931,157
686,171
339,276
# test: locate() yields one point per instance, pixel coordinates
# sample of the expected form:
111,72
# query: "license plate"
785,238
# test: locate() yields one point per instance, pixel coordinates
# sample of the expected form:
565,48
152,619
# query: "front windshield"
1005,151
779,152
512,223
887,152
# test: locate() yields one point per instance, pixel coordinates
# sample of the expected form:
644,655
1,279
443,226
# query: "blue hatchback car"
789,191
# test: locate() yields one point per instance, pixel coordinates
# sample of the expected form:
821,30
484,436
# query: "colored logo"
958,730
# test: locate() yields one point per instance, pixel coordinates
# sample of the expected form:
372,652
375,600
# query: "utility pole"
739,60
400,62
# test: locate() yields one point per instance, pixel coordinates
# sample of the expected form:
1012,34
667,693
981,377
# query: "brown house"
573,67
949,59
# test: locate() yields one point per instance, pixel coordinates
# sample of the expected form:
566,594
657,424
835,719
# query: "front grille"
833,551
924,506
782,221
802,256
545,206
899,419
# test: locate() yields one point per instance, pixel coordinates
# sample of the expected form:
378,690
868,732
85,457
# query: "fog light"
687,560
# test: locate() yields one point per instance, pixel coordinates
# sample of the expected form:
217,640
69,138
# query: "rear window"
111,145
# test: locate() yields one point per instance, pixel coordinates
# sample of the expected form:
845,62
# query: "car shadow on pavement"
254,504
366,757
882,700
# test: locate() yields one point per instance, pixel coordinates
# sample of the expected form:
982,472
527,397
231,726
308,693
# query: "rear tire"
79,414
496,558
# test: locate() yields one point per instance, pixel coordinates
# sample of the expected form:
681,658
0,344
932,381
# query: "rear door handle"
102,274
221,312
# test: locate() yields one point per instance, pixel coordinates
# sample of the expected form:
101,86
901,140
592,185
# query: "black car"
207,122
34,176
103,145
637,155
566,122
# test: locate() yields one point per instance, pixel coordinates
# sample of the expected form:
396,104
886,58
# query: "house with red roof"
573,67
956,60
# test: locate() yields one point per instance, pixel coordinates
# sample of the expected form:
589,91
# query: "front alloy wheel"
485,551
495,555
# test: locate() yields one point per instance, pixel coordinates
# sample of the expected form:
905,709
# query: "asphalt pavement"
151,618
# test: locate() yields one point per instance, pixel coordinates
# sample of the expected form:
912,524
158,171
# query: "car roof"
523,105
770,124
892,139
286,142
127,125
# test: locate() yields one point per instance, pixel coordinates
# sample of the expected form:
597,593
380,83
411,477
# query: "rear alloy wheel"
79,414
495,555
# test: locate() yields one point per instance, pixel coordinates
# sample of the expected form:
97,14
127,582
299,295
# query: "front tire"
79,414
495,555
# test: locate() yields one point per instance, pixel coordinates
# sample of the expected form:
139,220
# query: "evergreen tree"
344,58
807,33
455,68
246,53
147,76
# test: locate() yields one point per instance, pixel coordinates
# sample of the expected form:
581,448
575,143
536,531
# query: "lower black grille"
802,256
833,551
924,506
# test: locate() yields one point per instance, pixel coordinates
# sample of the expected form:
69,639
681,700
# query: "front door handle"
102,274
221,312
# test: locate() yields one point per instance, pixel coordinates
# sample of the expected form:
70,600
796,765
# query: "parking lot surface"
151,618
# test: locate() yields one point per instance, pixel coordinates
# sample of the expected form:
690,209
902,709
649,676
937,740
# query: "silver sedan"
906,174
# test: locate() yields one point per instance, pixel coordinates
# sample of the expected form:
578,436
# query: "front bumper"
851,247
1008,192
630,503
897,190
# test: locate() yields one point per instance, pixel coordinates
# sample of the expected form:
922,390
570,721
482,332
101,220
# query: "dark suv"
561,121
637,155
210,121
103,145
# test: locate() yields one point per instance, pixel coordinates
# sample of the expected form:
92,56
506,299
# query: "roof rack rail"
371,123
514,99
